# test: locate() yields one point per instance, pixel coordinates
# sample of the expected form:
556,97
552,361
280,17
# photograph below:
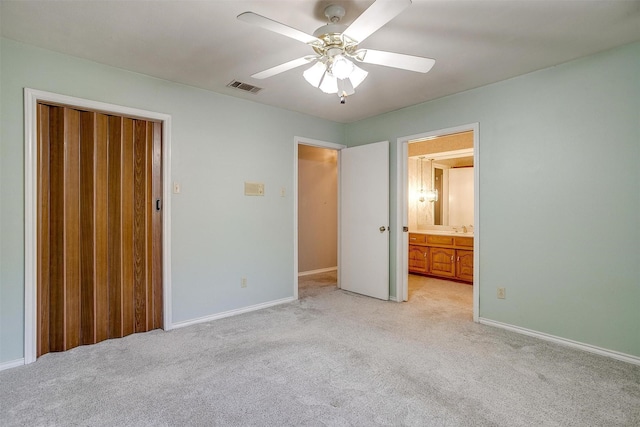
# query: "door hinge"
405,229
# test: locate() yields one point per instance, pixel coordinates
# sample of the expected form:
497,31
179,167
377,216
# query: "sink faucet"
464,228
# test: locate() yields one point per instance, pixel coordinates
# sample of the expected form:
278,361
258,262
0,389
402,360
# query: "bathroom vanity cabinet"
441,255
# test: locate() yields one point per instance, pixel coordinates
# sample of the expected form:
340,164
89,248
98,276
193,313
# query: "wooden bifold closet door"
99,227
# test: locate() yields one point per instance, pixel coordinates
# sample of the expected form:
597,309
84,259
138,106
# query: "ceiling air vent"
245,87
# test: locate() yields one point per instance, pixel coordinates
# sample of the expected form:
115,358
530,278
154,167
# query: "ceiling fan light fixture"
329,83
314,74
357,76
345,88
336,47
341,67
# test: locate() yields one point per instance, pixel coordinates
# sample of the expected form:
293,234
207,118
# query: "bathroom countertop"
443,233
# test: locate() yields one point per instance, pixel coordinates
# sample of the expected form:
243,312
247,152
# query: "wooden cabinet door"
418,259
464,267
441,262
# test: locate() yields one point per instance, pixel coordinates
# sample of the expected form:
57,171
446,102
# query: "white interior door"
364,220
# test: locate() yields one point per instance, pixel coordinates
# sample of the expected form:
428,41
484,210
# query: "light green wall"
218,142
559,194
559,189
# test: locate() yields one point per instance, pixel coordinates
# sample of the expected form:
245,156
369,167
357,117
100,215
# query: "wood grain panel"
42,345
101,227
127,227
88,285
440,240
99,235
72,228
464,268
415,238
94,228
115,227
140,226
56,223
157,226
463,241
441,261
150,208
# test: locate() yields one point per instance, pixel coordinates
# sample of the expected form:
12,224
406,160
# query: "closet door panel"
94,227
99,267
156,238
72,229
42,345
140,229
115,227
87,227
101,228
127,228
56,209
64,255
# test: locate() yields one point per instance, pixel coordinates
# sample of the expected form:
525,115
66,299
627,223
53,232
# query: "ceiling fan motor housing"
333,38
331,34
334,13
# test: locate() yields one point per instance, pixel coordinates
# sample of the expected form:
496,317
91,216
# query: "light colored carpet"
332,358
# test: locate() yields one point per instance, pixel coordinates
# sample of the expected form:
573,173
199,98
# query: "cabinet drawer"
416,238
440,240
464,241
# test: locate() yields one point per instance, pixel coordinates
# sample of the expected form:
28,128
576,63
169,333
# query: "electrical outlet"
502,293
176,188
243,282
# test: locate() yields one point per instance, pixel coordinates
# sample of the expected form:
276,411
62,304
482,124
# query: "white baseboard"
635,360
320,270
231,313
11,364
392,298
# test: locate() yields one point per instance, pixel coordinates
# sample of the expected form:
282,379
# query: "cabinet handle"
458,259
451,258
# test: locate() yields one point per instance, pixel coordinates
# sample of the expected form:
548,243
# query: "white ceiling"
201,43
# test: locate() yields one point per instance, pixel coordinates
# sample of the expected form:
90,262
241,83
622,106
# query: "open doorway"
317,217
317,228
439,206
363,217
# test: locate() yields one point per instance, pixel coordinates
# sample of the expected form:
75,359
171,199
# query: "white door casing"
402,240
31,99
364,220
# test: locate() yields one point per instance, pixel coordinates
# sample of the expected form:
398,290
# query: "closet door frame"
31,99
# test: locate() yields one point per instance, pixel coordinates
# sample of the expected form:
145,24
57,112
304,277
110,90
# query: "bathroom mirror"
451,174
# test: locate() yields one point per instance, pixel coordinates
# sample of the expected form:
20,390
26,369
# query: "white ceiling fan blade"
277,27
283,67
397,60
378,14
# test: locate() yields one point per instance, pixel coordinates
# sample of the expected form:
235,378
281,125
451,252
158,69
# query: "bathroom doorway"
437,254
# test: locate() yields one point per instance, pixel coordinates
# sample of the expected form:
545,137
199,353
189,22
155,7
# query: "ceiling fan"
336,47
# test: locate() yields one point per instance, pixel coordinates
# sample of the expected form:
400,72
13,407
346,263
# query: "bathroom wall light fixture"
431,195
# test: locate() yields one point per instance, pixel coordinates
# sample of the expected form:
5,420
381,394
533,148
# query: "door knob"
382,229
